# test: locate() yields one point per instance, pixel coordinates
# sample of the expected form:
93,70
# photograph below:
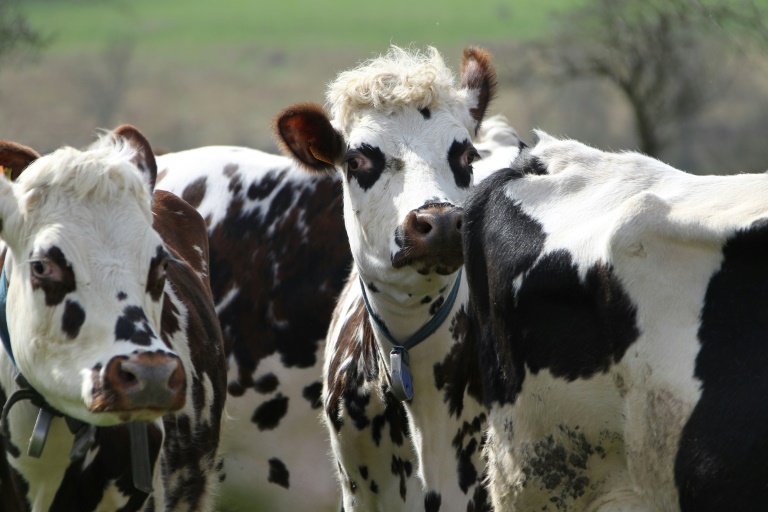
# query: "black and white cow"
279,258
620,312
400,135
111,323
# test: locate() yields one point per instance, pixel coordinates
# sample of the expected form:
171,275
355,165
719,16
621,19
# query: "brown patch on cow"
195,192
16,157
182,228
144,159
278,258
191,448
304,132
358,344
477,73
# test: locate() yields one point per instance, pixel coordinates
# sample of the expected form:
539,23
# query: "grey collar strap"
400,372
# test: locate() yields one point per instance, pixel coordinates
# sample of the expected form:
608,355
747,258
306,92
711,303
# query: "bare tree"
666,57
16,34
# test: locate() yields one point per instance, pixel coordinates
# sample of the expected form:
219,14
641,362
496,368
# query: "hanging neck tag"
402,385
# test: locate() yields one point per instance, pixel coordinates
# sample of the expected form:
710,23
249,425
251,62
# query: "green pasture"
189,26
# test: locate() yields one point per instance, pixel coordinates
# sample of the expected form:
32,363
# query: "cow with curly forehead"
401,392
112,370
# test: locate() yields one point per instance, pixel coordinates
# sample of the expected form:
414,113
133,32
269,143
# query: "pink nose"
145,381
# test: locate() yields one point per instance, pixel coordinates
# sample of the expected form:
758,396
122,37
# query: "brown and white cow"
111,323
400,136
279,258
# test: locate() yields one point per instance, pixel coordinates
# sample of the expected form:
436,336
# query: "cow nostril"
458,224
422,227
126,376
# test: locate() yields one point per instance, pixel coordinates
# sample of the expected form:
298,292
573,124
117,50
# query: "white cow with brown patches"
400,136
110,322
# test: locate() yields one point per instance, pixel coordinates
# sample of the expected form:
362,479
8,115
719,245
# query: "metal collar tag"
402,385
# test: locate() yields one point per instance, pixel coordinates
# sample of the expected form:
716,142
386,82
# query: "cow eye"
42,269
355,161
471,155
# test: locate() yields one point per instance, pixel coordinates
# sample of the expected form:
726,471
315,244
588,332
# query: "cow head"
401,135
86,279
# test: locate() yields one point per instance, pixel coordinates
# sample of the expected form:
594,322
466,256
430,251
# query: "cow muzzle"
145,381
431,240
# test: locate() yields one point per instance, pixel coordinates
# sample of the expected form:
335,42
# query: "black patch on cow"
268,415
263,188
394,416
83,486
554,320
278,473
267,383
467,442
426,300
55,291
121,296
374,487
134,326
459,372
313,393
156,274
722,462
403,469
372,287
72,319
195,192
462,171
435,307
425,113
432,501
368,176
363,472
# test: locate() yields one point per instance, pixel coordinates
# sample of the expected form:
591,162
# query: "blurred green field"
189,26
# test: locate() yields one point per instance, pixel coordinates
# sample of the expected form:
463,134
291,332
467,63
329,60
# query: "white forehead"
103,173
398,81
407,131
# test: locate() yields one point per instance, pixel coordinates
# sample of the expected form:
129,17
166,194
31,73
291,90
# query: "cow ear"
145,158
14,158
479,79
305,133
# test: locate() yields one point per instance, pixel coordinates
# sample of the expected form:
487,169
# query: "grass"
190,26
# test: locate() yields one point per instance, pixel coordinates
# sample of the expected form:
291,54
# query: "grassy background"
193,72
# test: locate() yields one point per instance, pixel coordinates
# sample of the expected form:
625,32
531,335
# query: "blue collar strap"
427,329
6,338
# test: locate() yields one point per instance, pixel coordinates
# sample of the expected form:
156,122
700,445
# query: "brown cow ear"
479,78
305,133
14,158
145,158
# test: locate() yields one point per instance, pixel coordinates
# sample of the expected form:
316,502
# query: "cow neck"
399,368
85,433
